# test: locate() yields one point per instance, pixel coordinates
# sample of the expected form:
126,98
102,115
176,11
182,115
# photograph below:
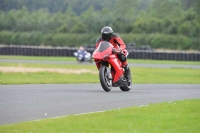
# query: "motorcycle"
83,56
111,71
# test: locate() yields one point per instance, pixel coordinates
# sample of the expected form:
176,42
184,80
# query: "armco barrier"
68,51
179,56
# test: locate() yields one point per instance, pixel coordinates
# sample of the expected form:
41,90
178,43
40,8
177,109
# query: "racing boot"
127,73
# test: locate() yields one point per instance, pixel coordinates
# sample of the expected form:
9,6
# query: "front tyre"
105,81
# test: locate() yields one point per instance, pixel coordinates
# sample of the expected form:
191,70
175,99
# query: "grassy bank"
171,117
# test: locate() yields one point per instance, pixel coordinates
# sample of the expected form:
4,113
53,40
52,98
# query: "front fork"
108,69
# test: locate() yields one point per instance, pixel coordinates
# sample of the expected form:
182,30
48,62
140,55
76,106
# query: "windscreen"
103,46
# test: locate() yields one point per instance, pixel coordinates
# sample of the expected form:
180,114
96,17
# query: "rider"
119,47
82,52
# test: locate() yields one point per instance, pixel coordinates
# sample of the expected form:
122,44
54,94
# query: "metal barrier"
68,51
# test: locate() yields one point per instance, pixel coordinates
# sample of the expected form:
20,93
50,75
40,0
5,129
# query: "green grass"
53,58
39,65
46,78
164,62
139,75
73,59
166,117
162,75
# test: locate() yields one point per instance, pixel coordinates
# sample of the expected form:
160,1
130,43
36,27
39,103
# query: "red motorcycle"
111,71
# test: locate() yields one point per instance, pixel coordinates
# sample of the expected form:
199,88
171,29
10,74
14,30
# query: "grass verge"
166,117
52,73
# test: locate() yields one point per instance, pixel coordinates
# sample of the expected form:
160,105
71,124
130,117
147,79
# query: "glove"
116,50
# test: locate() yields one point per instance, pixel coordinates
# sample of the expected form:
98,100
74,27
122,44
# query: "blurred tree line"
171,24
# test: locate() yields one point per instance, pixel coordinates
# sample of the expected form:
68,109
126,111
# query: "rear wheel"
127,86
106,82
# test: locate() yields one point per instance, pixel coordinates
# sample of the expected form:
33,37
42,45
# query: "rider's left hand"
116,50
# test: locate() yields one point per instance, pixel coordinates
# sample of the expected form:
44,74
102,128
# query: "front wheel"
106,82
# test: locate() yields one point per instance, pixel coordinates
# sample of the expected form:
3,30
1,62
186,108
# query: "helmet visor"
106,37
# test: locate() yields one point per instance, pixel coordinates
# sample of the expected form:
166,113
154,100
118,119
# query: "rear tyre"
106,83
127,86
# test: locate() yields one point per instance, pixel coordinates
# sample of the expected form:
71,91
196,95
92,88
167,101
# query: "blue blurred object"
82,55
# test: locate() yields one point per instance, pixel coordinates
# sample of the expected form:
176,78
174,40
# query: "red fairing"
116,64
104,53
100,55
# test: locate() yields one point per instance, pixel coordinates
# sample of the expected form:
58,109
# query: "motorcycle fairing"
104,52
117,66
101,51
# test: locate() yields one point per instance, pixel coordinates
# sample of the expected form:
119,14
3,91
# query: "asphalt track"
20,103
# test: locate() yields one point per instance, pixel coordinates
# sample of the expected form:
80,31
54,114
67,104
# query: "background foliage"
171,24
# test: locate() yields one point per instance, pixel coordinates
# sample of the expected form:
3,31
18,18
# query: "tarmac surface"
20,103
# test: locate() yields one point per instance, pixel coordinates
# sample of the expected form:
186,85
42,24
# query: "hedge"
157,40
